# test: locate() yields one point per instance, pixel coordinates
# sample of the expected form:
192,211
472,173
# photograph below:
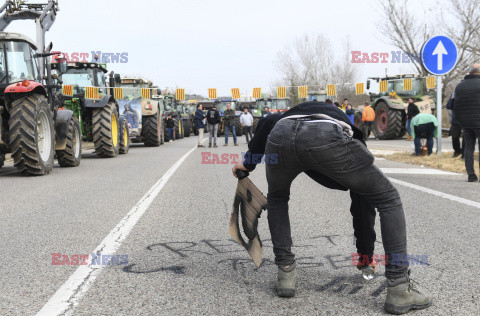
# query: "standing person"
266,111
229,121
213,118
170,125
315,137
424,125
412,111
246,119
344,105
467,113
368,116
350,113
199,120
337,105
455,130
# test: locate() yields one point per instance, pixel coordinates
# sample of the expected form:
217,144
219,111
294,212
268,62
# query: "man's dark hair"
198,105
337,104
328,101
367,103
345,99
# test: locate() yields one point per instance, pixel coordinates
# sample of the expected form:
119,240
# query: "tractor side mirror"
368,84
62,65
118,79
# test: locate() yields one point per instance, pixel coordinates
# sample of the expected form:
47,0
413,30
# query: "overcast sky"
222,44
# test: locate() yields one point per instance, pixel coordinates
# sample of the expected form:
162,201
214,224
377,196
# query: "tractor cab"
280,105
133,87
222,106
81,75
18,61
320,96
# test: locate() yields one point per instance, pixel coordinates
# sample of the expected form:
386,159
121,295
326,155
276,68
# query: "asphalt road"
171,225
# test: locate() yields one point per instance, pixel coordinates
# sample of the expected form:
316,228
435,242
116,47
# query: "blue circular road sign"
439,55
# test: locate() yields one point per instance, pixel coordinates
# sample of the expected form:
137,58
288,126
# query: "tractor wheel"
388,122
182,129
125,141
186,128
151,132
32,136
178,129
358,122
2,160
255,124
71,156
162,131
238,127
106,131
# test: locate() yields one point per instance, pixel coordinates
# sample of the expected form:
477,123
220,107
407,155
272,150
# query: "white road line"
421,171
437,193
71,292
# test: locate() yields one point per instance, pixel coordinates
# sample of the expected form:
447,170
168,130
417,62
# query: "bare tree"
310,62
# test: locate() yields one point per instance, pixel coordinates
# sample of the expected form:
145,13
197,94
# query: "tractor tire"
125,141
72,155
186,128
32,135
238,127
178,129
2,160
358,122
255,124
106,131
388,122
151,132
162,131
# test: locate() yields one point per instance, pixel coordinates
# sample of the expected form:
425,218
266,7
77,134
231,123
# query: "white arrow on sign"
440,51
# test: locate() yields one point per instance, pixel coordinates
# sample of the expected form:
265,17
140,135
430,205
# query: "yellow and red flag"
303,92
359,88
236,93
383,87
180,94
146,93
118,93
257,93
407,84
67,90
331,90
91,93
281,92
431,82
212,93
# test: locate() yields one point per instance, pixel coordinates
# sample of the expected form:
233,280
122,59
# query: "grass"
444,162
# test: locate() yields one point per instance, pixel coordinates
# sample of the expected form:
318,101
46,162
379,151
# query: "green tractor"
99,117
143,115
181,109
172,108
274,105
390,106
190,109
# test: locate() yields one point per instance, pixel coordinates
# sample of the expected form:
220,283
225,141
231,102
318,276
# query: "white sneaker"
171,141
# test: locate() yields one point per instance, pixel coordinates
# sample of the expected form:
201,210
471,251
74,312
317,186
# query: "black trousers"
247,130
325,149
456,132
471,135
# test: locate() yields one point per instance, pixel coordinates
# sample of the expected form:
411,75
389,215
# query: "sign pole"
439,114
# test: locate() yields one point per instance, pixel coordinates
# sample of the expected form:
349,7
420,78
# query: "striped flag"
331,90
91,93
383,86
303,92
67,90
236,93
180,94
407,84
146,93
281,92
257,93
359,88
212,93
431,82
118,93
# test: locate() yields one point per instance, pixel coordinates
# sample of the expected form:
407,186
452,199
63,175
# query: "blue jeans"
227,128
324,148
424,131
170,133
409,131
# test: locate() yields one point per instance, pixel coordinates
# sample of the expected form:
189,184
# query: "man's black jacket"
412,110
467,102
256,147
169,123
229,117
213,117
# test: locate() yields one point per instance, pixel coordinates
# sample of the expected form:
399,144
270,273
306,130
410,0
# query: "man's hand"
238,166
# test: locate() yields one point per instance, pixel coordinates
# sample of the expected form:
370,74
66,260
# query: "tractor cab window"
281,104
21,64
3,73
132,91
416,88
79,78
101,81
